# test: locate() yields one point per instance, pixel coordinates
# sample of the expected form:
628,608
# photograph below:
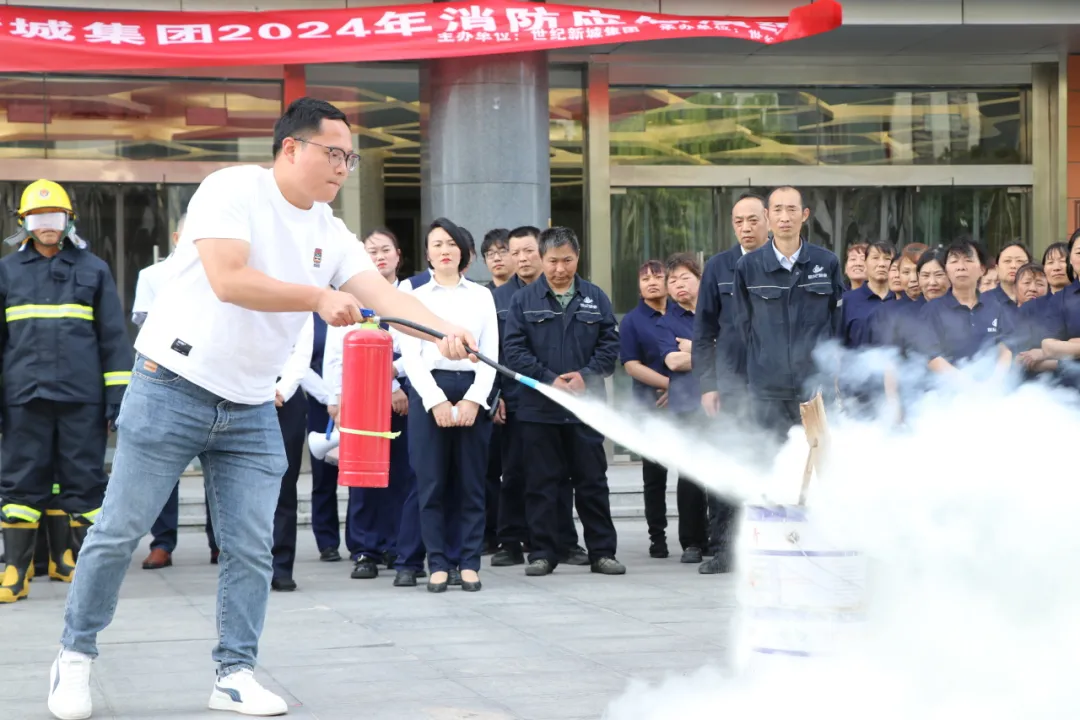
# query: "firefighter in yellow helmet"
66,360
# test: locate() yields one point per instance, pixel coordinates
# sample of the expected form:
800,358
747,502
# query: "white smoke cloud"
967,515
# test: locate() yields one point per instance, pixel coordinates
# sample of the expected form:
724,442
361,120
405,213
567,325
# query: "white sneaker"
242,693
69,686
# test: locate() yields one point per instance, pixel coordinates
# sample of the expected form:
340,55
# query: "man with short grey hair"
561,331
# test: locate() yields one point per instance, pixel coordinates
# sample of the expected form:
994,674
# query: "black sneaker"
509,555
329,555
608,566
576,556
405,578
365,569
454,577
538,567
658,549
716,565
691,555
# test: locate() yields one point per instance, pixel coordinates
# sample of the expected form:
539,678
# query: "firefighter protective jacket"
63,334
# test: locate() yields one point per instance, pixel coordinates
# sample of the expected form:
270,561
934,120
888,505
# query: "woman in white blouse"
449,425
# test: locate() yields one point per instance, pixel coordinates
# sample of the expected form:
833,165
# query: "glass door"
654,223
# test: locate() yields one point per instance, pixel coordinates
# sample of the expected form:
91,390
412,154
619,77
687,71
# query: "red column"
295,83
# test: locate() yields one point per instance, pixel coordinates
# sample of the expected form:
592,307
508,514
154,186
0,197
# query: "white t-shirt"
473,307
235,353
151,279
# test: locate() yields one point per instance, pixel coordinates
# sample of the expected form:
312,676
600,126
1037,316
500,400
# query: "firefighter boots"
61,557
80,525
20,534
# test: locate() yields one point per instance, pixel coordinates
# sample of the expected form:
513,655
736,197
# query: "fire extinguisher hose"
501,369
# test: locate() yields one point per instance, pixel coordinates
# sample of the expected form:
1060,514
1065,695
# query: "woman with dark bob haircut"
449,425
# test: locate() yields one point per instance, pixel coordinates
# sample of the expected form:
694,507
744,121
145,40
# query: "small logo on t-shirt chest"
316,261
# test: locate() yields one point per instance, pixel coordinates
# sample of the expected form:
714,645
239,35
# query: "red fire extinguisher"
364,422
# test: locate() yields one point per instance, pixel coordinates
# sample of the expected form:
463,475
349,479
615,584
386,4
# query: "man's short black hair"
752,196
499,237
557,237
965,246
302,119
459,235
786,187
884,247
524,231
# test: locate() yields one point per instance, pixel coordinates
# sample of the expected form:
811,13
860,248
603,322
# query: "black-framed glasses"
497,252
336,156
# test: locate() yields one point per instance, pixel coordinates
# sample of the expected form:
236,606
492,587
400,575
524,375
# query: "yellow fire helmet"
44,195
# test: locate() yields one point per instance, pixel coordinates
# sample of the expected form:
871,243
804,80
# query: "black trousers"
560,455
47,444
451,470
513,527
493,486
654,478
324,486
776,417
292,416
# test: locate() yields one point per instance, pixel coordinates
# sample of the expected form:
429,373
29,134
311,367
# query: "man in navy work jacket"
561,331
787,301
718,355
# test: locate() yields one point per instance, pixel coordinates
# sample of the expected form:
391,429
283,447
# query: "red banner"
43,40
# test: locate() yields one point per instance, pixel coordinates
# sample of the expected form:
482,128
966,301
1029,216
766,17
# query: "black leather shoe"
455,577
691,555
471,586
405,578
576,556
508,556
658,549
608,566
539,567
716,565
365,569
437,587
283,584
329,555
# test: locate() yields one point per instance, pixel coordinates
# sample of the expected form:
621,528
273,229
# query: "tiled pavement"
550,648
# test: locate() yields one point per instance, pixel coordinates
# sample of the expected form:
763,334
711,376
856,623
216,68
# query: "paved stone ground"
552,648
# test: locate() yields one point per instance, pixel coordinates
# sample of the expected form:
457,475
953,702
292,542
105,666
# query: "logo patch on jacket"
317,259
589,303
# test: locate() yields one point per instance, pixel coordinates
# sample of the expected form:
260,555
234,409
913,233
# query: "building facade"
914,121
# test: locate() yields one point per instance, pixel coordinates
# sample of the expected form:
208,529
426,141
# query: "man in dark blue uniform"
787,301
718,357
66,361
561,331
513,531
496,253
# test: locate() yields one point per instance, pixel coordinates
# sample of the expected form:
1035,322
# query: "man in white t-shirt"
259,252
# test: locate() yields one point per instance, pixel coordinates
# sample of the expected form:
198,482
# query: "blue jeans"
164,423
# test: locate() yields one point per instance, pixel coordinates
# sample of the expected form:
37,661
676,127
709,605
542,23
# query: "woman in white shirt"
449,426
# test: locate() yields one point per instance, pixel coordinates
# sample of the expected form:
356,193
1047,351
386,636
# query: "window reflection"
80,118
820,126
